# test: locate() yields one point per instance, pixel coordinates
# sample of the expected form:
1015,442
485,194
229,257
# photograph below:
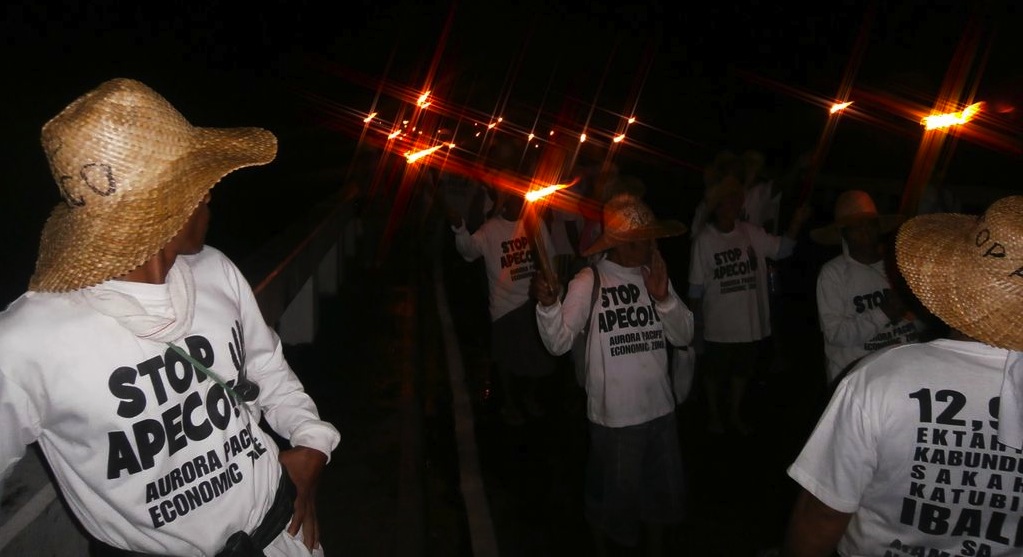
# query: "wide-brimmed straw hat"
853,207
131,171
627,219
968,270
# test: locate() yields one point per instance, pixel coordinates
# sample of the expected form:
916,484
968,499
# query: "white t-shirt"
908,446
627,368
508,257
149,452
849,296
731,267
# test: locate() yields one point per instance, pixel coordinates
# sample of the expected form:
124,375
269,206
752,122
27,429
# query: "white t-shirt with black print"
908,445
849,297
627,368
508,257
731,269
151,453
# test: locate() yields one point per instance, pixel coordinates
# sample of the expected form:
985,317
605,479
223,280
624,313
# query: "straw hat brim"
653,231
933,253
84,246
832,233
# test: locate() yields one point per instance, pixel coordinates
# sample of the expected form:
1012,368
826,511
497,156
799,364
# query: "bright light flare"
582,138
422,102
632,120
939,121
619,138
367,119
840,106
411,157
541,193
394,134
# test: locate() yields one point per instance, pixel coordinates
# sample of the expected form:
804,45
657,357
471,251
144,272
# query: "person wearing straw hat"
634,468
139,360
858,310
919,450
728,291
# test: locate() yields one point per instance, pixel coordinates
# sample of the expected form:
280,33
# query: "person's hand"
453,217
655,276
544,292
303,465
895,307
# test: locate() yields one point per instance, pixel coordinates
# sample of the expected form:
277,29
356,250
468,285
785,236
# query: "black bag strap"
593,298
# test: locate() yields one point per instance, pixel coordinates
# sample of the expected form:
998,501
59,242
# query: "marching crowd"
913,454
139,362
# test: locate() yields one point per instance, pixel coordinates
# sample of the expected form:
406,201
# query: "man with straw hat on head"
628,309
139,360
918,452
859,311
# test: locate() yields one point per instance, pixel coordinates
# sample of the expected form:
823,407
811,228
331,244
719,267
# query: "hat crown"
996,240
854,203
624,213
111,140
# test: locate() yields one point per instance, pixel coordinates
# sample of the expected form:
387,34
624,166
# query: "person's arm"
288,409
469,246
20,427
560,321
695,293
814,528
676,319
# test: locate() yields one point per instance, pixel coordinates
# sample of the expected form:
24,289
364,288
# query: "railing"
288,274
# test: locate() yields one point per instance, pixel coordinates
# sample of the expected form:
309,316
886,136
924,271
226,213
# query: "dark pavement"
380,373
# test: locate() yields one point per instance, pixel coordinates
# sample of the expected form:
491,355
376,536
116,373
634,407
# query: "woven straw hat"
131,171
968,270
628,219
852,207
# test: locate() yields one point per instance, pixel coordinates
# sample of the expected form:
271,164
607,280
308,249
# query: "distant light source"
840,106
938,121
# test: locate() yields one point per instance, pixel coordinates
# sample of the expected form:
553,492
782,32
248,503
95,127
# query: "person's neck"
956,334
867,256
725,226
153,271
614,257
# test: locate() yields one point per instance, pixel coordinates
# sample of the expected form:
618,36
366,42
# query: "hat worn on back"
853,207
968,271
627,219
131,170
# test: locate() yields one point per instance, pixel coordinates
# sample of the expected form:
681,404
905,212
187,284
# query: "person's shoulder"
835,264
893,362
211,261
209,255
33,312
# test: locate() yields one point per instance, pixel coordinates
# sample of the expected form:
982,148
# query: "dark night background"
296,67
